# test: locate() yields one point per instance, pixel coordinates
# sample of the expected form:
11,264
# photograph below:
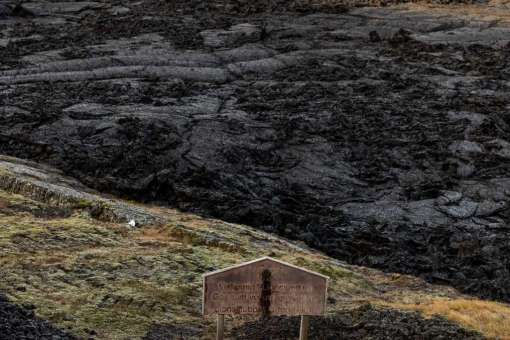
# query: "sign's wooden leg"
220,326
303,330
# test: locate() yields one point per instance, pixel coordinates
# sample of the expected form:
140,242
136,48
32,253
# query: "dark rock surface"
388,149
5,11
21,323
363,323
173,332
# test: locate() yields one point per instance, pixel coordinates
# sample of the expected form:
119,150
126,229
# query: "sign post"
265,287
303,329
220,326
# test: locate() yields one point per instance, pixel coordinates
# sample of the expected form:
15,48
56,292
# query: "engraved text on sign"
265,286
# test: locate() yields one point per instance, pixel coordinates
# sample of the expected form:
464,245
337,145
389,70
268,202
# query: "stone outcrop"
48,185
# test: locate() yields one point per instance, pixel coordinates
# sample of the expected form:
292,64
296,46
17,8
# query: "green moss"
83,204
333,272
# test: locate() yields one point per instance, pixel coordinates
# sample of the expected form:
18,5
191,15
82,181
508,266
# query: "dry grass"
3,203
154,236
489,318
472,12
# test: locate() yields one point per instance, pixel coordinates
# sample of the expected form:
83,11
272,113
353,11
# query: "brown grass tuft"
489,318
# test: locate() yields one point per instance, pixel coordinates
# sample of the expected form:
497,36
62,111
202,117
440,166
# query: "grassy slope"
84,274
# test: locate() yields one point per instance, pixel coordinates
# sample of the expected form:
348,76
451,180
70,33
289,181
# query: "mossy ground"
114,282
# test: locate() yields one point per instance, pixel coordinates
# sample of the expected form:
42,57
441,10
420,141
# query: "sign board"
264,287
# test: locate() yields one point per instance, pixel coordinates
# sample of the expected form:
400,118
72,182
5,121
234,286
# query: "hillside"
335,135
89,273
377,135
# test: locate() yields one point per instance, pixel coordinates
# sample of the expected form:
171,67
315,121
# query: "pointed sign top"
265,258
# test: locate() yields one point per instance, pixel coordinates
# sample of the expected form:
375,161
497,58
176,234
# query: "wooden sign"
267,287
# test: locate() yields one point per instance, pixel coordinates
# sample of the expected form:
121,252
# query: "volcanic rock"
5,11
21,323
52,8
236,35
388,154
363,323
